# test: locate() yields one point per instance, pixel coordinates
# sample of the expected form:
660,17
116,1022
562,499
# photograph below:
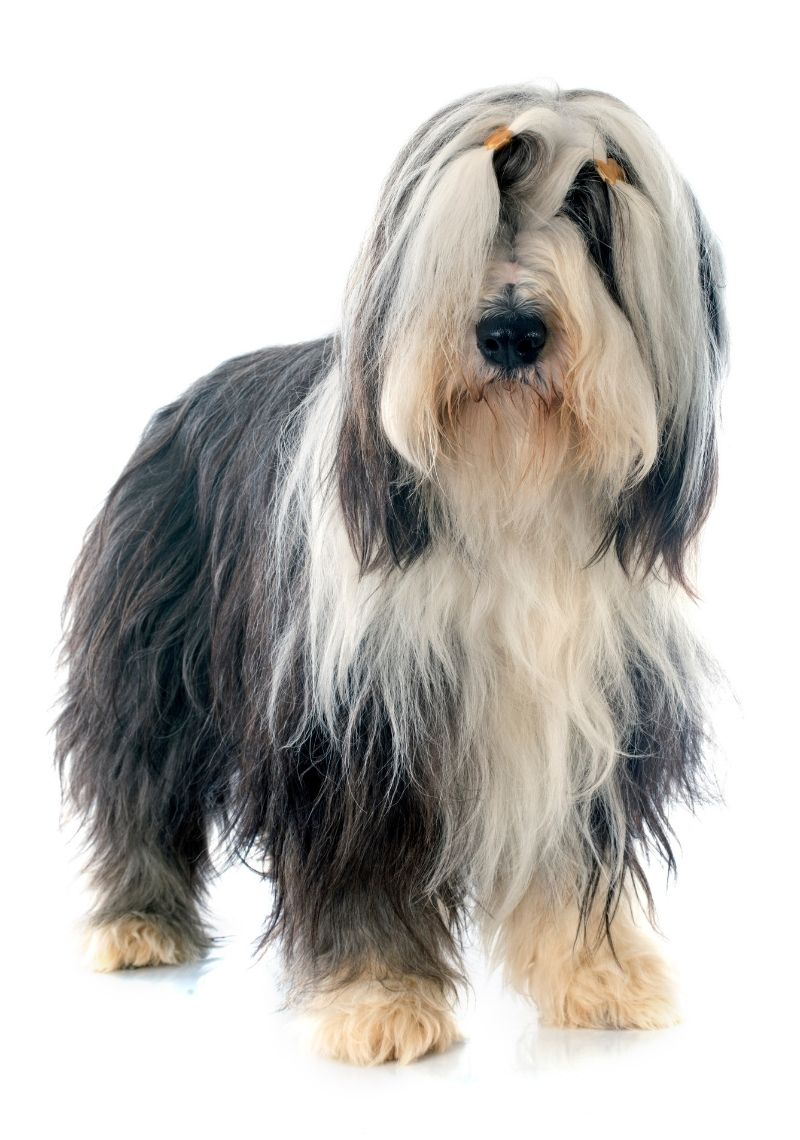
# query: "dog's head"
538,300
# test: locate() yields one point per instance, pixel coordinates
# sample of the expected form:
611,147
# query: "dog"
401,611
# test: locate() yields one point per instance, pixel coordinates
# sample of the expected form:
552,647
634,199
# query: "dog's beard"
504,427
484,383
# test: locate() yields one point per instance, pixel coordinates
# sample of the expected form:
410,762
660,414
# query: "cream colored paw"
547,957
369,1022
135,941
599,993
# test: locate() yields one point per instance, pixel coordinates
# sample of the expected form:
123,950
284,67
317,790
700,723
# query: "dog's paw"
601,993
137,940
369,1022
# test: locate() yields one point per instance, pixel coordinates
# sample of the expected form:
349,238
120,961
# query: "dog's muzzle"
511,339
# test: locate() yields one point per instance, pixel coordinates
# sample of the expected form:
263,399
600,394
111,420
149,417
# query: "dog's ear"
382,504
379,493
420,270
657,520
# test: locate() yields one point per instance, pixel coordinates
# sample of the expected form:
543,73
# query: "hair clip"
610,171
499,138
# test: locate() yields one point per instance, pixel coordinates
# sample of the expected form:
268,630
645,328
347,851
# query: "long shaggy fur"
406,627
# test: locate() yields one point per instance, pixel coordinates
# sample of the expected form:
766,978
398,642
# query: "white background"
186,182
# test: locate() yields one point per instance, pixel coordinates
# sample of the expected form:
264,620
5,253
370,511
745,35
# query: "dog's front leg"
378,1016
376,972
576,975
367,914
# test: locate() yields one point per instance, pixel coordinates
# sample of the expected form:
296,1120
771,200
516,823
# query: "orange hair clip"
499,138
610,171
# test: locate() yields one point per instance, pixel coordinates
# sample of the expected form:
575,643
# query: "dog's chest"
524,635
536,624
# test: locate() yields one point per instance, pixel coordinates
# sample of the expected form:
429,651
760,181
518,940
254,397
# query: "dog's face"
555,377
539,301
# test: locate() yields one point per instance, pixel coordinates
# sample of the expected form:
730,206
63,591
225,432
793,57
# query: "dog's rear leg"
145,825
148,898
139,751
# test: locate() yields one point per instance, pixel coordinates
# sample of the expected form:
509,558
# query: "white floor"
207,1050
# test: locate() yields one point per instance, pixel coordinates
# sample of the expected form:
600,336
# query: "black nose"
511,339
